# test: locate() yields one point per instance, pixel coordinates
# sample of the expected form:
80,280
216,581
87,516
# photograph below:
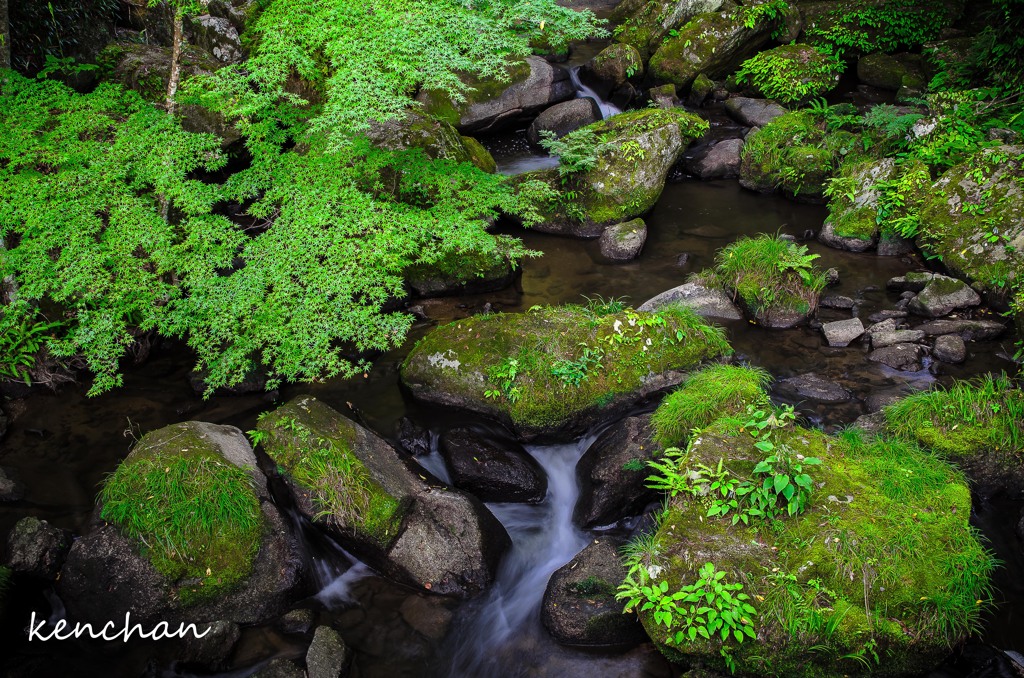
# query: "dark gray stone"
753,112
943,295
492,471
887,314
718,161
872,423
842,332
949,348
705,301
813,387
623,242
914,281
877,401
836,301
563,118
429,616
968,330
214,648
280,668
412,437
612,472
832,277
579,605
11,489
905,357
296,621
883,339
37,548
328,655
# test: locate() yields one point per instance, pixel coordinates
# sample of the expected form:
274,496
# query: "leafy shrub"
792,73
577,151
896,24
23,336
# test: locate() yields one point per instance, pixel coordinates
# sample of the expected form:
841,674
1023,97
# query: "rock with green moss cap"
189,533
893,71
644,25
437,138
852,223
623,242
943,295
480,156
973,218
635,153
462,273
352,482
878,559
493,105
793,73
712,43
612,68
554,372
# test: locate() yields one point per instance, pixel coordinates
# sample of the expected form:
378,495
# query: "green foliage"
504,374
704,397
791,73
572,372
785,484
577,151
996,57
196,514
763,12
23,334
893,25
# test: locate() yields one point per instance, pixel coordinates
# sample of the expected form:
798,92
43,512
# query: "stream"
62,445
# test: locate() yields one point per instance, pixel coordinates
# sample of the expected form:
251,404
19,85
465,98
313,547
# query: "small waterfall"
500,628
433,461
608,109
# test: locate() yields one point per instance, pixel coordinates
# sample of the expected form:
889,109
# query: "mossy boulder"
794,73
794,153
852,222
612,68
973,218
437,138
462,273
636,152
712,43
189,533
881,561
563,118
556,371
479,156
491,105
644,25
893,71
354,484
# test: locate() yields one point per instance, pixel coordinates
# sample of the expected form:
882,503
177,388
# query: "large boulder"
709,302
943,295
753,112
462,273
792,73
644,25
612,472
973,218
893,71
635,152
490,470
353,483
579,605
712,43
493,105
154,556
612,68
717,161
437,138
553,372
865,558
563,118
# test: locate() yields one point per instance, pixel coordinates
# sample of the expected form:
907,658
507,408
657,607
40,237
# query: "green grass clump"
704,397
768,274
965,419
196,515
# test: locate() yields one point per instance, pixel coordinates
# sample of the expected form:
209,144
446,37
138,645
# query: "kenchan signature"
110,631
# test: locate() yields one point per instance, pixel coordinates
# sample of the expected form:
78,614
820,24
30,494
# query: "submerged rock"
353,483
611,474
905,357
11,489
492,471
623,242
968,330
812,387
579,605
555,371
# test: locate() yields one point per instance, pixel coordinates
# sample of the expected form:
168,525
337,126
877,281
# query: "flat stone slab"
890,338
968,330
842,332
905,357
813,387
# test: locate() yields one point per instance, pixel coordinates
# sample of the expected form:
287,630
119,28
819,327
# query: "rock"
491,106
718,161
214,648
455,365
623,242
579,605
842,332
254,381
612,68
873,423
883,339
106,573
852,223
437,138
328,656
382,510
914,281
37,548
942,296
280,668
430,617
752,112
892,71
708,302
831,277
11,489
877,401
637,151
462,273
836,301
968,330
812,387
949,348
646,24
412,437
612,474
799,72
218,36
905,357
887,314
701,89
712,43
664,96
491,471
563,118
296,621
887,325
973,219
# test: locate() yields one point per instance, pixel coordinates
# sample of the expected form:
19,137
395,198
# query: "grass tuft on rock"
195,513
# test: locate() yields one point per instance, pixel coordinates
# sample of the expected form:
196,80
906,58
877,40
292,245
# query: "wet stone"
911,282
492,471
842,332
37,548
612,474
280,668
950,348
328,656
11,489
427,616
813,387
412,437
214,648
942,296
883,339
904,357
296,621
887,315
968,330
836,301
623,242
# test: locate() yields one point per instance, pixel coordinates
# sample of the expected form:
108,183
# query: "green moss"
479,155
541,353
195,515
592,586
440,104
705,44
315,451
705,397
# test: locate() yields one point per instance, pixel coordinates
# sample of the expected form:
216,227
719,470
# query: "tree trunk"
5,36
172,81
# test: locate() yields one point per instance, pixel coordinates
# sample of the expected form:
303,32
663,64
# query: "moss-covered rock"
636,151
492,105
644,25
877,575
791,73
555,371
893,71
973,218
350,481
437,138
852,222
712,43
462,273
794,153
612,67
479,156
189,533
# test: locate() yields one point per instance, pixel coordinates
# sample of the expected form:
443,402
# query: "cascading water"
495,635
608,109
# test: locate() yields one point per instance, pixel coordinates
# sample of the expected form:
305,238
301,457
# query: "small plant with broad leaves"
504,375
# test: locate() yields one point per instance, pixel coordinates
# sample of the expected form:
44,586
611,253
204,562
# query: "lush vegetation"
791,73
194,514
